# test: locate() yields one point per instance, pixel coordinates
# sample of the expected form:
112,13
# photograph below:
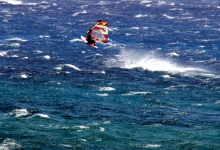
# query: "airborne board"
85,41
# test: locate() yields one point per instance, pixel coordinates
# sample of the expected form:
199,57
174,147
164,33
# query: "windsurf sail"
99,32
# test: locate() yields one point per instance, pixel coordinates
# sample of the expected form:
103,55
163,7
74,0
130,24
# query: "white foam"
14,56
102,129
9,144
173,54
197,104
16,39
54,4
58,68
43,2
152,146
130,59
168,17
82,12
40,115
97,71
5,20
25,58
46,57
106,89
44,36
135,28
38,52
112,29
165,76
72,66
17,2
15,44
3,53
217,102
13,2
146,2
175,87
82,127
107,122
140,16
19,113
103,72
161,3
66,145
103,2
75,40
83,140
31,4
136,93
105,94
24,76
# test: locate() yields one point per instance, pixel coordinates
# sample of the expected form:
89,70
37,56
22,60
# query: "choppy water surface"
155,85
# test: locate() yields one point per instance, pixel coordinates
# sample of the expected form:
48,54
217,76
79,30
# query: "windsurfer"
98,33
90,40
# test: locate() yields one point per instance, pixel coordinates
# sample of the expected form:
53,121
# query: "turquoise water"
155,85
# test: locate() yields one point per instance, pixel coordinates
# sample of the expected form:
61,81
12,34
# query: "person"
90,40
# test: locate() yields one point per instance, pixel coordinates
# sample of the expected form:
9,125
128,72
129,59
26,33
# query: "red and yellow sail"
99,32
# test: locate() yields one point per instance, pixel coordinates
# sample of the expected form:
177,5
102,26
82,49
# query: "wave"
19,113
151,61
3,53
47,57
17,39
20,76
62,66
76,40
40,115
17,2
106,89
72,66
44,36
10,144
13,2
102,95
82,12
16,45
23,76
136,93
140,16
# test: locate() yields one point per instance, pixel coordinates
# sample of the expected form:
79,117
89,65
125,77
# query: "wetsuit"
90,41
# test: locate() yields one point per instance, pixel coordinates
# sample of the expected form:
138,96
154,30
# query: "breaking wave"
151,61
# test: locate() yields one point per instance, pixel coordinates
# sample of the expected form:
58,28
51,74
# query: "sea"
155,85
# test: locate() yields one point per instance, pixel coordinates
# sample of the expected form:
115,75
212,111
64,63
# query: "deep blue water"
155,85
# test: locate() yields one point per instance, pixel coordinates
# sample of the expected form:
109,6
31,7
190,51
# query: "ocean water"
154,85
